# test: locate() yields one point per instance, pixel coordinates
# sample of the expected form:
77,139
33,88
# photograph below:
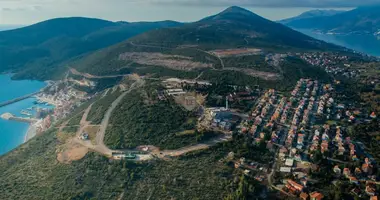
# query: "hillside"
233,27
38,175
39,51
33,170
235,41
363,20
310,14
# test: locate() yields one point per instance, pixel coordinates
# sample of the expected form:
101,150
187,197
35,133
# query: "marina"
18,99
17,96
9,116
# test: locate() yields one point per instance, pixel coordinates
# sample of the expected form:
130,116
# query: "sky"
25,12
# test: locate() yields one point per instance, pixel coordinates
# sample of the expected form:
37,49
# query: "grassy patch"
186,132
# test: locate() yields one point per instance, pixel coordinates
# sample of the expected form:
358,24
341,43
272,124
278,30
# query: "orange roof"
316,195
295,185
304,195
370,189
352,178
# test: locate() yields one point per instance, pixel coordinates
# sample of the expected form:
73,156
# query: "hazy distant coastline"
10,27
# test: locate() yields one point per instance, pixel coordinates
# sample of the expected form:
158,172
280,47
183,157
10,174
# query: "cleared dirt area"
259,74
186,132
236,52
158,59
91,131
190,101
71,152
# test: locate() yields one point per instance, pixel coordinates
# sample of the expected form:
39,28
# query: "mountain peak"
234,13
236,10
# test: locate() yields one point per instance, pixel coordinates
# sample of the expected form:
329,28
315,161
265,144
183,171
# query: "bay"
12,133
368,44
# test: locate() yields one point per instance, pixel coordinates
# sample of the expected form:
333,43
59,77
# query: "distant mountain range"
38,50
311,14
362,20
9,27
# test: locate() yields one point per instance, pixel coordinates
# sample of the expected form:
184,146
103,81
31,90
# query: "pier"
18,99
9,116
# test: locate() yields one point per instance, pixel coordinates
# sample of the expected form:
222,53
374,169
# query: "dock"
9,116
18,99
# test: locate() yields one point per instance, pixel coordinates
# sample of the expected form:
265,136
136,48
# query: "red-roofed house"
370,190
316,196
346,172
297,186
353,180
304,196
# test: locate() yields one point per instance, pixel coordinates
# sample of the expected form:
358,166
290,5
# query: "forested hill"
231,28
205,45
40,51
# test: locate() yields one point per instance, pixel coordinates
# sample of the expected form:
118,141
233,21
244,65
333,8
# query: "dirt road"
196,147
200,50
90,76
101,148
99,145
103,126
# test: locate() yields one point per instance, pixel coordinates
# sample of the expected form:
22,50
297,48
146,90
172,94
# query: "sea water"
368,44
12,133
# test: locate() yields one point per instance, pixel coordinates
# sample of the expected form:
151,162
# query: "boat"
24,112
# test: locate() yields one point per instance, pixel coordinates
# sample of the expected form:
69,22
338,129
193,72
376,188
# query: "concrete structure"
18,99
9,116
175,92
285,169
289,162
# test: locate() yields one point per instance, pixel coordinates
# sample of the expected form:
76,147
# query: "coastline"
16,133
31,132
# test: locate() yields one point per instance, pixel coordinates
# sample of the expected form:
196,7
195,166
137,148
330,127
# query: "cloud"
272,3
21,8
206,3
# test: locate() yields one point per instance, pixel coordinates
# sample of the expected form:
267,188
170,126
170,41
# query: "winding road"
90,76
101,148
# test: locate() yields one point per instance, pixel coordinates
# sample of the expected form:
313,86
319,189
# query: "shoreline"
16,134
30,133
